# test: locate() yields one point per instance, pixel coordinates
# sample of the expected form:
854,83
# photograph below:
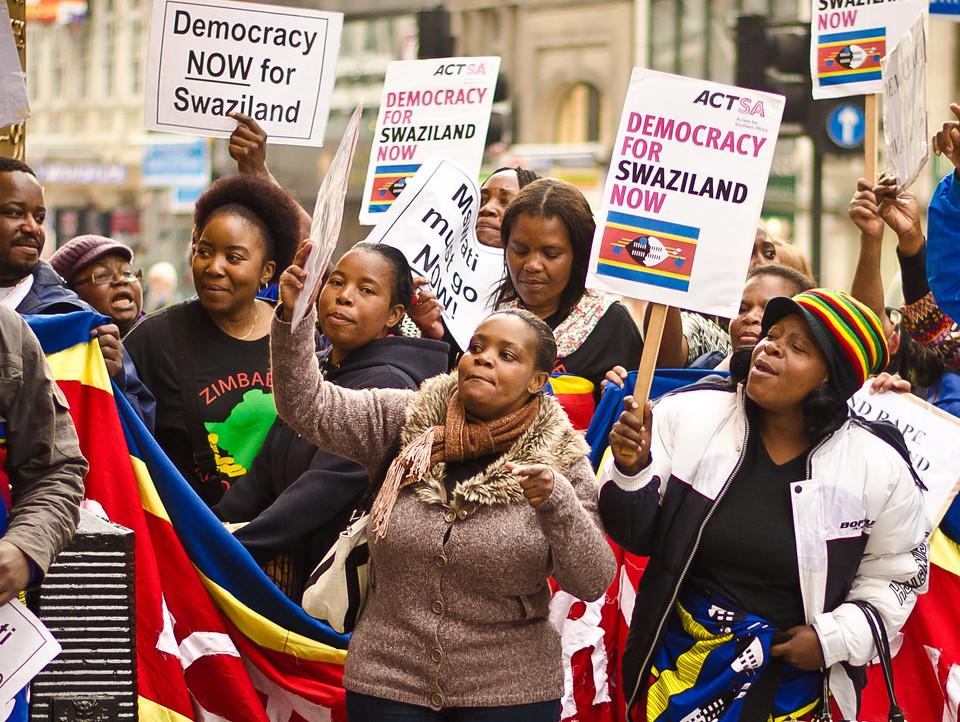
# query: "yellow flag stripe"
83,363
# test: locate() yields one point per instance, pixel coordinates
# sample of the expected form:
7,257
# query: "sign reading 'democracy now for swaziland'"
434,224
848,40
684,191
208,58
428,108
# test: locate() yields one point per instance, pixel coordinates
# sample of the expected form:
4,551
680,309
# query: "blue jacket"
943,245
50,295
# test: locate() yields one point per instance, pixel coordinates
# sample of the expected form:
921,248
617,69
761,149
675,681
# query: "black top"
233,385
615,340
748,551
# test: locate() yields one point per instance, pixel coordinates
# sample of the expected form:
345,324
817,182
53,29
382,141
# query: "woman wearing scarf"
488,495
765,506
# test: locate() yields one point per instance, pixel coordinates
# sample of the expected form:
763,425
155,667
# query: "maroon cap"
80,252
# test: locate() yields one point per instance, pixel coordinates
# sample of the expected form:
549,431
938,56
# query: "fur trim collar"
550,439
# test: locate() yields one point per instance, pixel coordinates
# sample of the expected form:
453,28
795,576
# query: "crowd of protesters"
479,482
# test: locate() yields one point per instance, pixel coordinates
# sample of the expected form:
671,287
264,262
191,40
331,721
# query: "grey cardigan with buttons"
457,614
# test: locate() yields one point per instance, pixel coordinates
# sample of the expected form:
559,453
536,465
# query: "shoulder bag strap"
882,644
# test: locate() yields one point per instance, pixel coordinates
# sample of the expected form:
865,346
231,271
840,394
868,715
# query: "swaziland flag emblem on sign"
850,57
647,250
388,181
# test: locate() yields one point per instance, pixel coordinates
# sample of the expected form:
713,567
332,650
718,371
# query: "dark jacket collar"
49,294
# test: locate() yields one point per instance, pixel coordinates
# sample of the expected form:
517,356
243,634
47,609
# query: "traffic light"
433,27
776,57
500,129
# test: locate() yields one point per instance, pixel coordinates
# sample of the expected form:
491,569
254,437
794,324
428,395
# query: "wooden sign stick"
871,138
648,361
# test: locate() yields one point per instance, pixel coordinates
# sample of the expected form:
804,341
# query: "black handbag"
883,653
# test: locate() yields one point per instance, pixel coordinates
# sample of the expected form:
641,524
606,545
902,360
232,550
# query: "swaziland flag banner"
647,250
216,639
388,181
850,57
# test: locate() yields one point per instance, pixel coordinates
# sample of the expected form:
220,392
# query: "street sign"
846,126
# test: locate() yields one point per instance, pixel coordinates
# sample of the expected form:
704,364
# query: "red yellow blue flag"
216,639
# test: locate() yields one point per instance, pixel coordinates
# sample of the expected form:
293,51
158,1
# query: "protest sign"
26,647
14,107
848,40
684,192
905,105
932,436
208,58
434,225
428,108
328,217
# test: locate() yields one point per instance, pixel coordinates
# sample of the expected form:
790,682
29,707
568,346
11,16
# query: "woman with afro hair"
207,360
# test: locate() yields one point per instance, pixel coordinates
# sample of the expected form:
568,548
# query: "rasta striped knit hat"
848,333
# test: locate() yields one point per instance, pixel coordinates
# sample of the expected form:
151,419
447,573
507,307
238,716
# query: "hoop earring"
264,285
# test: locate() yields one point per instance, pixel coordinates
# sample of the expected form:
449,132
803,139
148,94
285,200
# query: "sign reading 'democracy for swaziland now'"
684,191
905,105
208,58
428,107
434,224
932,436
848,40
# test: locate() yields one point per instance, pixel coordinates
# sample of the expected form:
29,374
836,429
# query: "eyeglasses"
105,278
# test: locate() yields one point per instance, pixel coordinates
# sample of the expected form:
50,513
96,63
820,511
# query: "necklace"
255,319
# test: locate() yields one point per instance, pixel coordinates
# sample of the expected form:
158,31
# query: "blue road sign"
947,9
846,126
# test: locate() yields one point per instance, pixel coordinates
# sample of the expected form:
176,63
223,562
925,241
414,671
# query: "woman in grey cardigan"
490,495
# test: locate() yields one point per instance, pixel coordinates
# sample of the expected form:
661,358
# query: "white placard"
209,58
684,192
14,106
849,38
428,108
932,436
26,647
434,224
328,217
905,105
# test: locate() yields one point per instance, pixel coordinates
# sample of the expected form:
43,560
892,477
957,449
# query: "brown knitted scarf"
460,438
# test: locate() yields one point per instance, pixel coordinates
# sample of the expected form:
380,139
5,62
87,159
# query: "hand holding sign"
947,141
328,217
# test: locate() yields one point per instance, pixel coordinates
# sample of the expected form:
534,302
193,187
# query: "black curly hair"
552,198
525,176
267,207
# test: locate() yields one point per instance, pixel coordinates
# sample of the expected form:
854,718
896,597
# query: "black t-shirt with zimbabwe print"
233,387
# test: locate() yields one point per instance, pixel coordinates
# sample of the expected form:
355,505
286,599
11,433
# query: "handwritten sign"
210,58
905,105
932,436
684,192
26,647
428,108
849,38
434,224
14,107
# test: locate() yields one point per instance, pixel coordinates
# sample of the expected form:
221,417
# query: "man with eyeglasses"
31,286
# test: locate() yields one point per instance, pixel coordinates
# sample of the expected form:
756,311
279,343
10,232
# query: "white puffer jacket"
858,486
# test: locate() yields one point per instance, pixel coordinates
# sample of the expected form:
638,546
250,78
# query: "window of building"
109,57
136,56
579,118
